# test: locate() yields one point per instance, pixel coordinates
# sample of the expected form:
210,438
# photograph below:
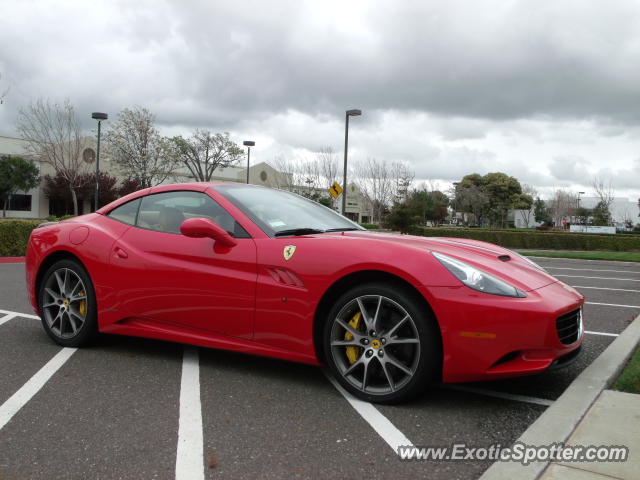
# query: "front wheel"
382,343
67,302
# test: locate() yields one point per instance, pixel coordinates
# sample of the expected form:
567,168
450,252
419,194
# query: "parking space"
114,410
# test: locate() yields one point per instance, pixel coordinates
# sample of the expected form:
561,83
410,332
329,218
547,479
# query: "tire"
400,357
68,316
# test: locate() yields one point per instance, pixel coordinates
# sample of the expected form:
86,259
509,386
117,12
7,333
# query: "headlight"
477,279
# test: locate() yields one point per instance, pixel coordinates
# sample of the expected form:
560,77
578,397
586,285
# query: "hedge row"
538,240
14,235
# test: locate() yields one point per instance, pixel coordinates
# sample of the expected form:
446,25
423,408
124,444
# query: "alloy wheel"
64,303
375,344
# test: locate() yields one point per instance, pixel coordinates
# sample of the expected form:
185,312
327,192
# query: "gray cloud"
450,87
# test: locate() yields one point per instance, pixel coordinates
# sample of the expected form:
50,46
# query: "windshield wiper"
298,231
344,229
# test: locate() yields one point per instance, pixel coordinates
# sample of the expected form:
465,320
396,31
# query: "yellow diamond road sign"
335,190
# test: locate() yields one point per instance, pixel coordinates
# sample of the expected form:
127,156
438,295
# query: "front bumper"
487,337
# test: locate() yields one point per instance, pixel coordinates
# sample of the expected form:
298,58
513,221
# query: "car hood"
493,259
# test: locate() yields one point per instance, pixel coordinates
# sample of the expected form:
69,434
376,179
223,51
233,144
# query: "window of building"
19,203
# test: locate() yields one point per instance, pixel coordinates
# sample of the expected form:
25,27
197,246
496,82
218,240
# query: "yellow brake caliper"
82,307
353,352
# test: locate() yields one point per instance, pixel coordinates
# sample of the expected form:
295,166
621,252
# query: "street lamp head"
580,193
249,143
354,113
99,116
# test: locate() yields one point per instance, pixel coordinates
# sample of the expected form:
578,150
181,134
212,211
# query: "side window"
126,213
165,212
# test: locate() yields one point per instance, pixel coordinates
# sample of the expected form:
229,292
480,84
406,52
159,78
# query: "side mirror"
203,227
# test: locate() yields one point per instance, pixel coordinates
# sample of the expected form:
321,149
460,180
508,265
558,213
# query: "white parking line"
606,288
504,395
600,278
602,333
381,424
18,314
33,386
555,259
591,270
6,318
612,305
190,456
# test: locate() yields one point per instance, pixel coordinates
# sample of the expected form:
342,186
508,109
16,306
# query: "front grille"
569,327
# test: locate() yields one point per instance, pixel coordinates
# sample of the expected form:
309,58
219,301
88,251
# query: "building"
523,218
35,204
622,210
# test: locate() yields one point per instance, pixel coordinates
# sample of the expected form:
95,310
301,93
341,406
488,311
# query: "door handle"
120,252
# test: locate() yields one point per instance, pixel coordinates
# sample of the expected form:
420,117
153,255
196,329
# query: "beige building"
35,204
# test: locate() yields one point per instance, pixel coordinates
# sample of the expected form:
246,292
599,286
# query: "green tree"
471,198
490,196
524,202
16,174
601,214
503,191
402,217
541,212
428,205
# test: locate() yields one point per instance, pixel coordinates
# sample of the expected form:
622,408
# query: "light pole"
98,116
348,113
248,144
579,193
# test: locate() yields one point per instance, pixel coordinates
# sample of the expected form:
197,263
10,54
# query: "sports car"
267,272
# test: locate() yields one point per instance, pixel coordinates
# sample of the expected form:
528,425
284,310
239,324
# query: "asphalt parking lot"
129,408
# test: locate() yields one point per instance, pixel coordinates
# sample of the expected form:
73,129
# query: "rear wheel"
382,344
67,304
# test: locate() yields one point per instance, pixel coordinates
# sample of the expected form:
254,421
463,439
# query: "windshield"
279,213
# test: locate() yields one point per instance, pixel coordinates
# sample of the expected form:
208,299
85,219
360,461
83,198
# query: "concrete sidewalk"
614,419
586,414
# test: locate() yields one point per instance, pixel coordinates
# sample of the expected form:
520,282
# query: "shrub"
14,235
539,240
370,226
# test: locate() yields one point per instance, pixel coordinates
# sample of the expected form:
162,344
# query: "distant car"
267,272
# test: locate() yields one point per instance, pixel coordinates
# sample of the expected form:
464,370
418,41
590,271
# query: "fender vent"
285,277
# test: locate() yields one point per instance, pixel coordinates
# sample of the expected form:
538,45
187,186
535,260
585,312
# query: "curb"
559,421
12,259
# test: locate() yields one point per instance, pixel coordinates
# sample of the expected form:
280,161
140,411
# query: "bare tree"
53,135
562,204
374,179
528,192
204,152
603,190
328,165
289,180
135,144
402,177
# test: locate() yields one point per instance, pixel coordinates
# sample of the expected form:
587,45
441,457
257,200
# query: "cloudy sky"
547,91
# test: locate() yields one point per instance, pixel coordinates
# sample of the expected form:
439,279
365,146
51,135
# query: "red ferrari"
267,272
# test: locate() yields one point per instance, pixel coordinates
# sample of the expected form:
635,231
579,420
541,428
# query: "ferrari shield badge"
288,252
